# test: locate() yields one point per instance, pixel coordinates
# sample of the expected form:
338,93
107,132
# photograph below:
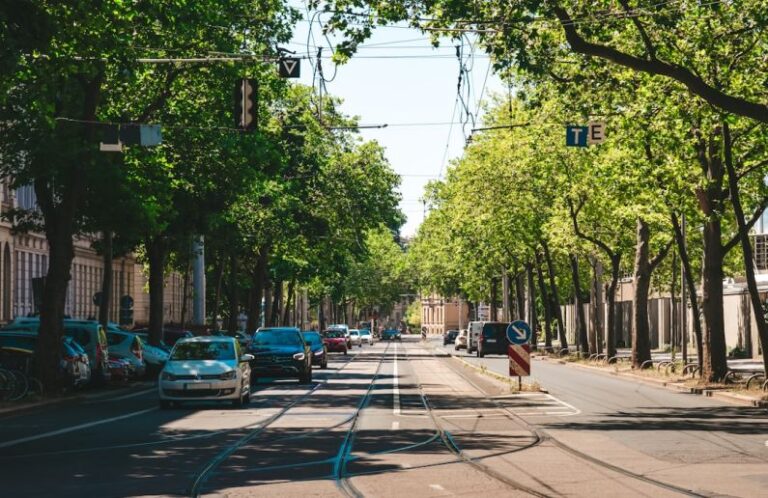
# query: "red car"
335,341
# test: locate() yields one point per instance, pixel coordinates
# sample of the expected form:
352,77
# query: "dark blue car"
390,335
279,353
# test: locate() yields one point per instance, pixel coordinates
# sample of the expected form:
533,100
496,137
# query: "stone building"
439,314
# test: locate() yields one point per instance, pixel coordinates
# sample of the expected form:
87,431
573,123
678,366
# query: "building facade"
24,262
439,314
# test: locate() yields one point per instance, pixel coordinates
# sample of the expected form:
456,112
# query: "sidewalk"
672,385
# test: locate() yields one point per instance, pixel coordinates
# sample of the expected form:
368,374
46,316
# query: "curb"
734,398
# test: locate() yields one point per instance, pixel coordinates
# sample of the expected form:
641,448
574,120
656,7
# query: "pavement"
394,420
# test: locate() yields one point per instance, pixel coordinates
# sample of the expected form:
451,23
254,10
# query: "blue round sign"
518,332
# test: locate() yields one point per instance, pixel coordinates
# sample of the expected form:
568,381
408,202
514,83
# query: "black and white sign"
290,67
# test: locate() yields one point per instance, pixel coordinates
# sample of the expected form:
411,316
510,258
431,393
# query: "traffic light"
246,104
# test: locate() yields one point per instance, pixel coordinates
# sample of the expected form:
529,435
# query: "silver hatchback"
206,369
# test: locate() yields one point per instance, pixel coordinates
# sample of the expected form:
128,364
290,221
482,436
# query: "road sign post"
519,350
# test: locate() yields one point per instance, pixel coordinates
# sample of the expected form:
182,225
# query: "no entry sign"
519,360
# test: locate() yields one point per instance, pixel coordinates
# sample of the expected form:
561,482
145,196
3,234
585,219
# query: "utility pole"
198,303
683,300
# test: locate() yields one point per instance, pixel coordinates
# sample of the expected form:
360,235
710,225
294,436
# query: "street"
395,419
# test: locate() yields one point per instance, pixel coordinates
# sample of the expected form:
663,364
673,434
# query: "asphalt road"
393,420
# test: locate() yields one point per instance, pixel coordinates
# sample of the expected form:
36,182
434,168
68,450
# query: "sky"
397,78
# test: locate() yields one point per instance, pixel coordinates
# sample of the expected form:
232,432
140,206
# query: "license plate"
490,340
197,386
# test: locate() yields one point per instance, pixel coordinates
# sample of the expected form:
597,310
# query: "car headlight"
167,376
299,356
319,352
228,375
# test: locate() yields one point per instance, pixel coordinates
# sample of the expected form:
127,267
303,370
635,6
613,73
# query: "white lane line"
14,442
437,487
395,387
395,425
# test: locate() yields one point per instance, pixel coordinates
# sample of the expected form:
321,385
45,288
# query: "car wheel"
254,380
238,403
324,364
345,352
166,404
480,353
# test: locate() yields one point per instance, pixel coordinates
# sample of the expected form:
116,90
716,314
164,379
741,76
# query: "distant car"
154,356
461,340
345,330
335,341
354,338
449,337
243,338
492,339
366,336
170,336
120,369
391,335
281,352
206,369
127,346
318,347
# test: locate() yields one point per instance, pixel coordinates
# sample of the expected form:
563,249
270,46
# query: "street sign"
246,104
518,332
596,133
519,359
576,136
289,67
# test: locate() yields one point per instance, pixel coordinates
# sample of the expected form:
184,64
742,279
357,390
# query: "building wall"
24,257
439,314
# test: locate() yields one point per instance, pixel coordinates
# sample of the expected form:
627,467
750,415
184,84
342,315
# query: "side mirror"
247,357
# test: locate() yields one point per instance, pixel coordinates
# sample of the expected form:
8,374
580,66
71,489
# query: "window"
761,251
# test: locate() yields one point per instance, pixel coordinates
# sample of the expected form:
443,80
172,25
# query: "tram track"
543,436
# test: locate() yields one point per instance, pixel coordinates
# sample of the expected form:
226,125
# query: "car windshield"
333,334
354,332
495,330
313,338
276,338
203,350
365,332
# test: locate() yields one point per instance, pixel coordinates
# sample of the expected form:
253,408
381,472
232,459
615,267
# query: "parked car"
492,339
345,329
89,334
335,341
17,351
170,336
154,356
391,335
449,337
280,352
120,369
461,340
366,336
206,369
127,346
318,347
354,338
243,338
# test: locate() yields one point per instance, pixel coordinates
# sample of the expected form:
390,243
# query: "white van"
474,329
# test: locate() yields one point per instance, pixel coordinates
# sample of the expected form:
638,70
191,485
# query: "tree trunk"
48,350
156,254
506,297
278,298
520,295
641,340
289,302
581,320
185,288
234,304
492,311
531,314
690,283
267,302
596,299
546,305
610,346
556,310
258,282
219,279
714,363
746,246
106,281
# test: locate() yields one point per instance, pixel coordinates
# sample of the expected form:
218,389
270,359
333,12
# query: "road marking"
396,387
437,487
74,428
395,426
